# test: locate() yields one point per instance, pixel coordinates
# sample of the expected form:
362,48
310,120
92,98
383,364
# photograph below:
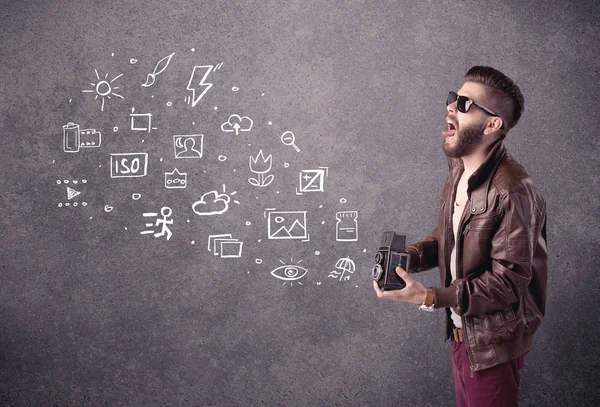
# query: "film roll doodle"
75,138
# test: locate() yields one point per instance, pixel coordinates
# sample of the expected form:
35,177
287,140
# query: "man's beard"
467,141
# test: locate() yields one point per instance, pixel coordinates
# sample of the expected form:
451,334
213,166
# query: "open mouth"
450,130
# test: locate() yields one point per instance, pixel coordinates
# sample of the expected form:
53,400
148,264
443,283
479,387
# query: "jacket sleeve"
424,254
511,271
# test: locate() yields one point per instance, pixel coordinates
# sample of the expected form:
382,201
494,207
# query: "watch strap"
427,305
430,298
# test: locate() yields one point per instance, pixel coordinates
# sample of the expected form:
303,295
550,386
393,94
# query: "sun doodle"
103,88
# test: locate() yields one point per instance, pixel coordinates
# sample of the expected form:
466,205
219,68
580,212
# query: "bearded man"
489,245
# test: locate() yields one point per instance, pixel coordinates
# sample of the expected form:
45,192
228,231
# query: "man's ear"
498,123
492,124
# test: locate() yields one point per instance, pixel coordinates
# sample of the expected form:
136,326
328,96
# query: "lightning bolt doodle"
196,85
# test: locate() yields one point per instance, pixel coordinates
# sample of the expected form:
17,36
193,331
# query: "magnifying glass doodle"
288,139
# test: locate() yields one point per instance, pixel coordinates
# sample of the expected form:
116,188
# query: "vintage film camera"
389,255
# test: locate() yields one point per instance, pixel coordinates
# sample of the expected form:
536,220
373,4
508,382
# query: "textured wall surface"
94,312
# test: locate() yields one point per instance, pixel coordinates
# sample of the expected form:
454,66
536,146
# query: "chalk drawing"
175,179
72,193
213,203
71,138
237,123
286,225
141,121
346,228
311,180
288,138
344,266
158,69
289,272
198,84
225,246
166,213
75,138
188,146
125,165
260,166
103,88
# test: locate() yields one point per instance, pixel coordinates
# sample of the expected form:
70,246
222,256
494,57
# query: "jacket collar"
479,182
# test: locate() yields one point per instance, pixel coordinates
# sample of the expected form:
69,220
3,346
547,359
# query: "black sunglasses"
464,104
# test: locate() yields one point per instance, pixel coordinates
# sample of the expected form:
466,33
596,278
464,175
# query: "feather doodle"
158,69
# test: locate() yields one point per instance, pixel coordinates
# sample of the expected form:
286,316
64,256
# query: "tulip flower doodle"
260,166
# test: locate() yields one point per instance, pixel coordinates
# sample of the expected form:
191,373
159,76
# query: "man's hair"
503,90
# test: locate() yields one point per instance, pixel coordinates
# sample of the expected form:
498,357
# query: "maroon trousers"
496,386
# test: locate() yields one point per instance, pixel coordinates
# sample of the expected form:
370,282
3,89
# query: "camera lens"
379,258
377,272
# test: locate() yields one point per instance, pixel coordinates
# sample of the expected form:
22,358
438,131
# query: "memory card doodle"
346,227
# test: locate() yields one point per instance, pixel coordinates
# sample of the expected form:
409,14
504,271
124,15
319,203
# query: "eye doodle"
289,272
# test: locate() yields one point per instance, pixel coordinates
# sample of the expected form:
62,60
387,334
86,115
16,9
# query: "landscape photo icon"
287,225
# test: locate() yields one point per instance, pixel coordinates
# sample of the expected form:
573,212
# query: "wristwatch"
427,305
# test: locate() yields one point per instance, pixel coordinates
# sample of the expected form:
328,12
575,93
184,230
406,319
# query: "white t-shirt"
461,197
458,210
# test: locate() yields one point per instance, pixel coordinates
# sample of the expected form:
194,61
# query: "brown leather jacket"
500,290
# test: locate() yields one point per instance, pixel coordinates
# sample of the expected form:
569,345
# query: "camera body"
389,255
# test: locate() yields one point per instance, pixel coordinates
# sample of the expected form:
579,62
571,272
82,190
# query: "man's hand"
414,292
